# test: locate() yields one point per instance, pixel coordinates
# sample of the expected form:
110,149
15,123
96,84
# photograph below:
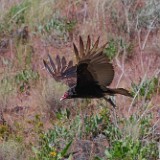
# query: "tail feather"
121,91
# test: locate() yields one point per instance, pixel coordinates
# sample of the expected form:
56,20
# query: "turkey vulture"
91,75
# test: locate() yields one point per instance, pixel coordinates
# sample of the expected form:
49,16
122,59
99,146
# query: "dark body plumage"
91,75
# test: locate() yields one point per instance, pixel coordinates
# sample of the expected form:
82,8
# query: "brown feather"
58,61
104,73
121,91
101,49
88,45
52,64
48,68
76,52
70,64
64,64
95,46
81,46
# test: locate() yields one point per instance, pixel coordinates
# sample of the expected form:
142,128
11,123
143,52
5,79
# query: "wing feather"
81,46
64,64
88,45
70,64
58,61
58,69
48,68
52,63
95,46
98,65
76,52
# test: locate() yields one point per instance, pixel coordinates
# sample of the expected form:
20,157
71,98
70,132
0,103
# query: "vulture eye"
64,96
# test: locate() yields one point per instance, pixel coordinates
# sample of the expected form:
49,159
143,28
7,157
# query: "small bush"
146,89
129,142
112,49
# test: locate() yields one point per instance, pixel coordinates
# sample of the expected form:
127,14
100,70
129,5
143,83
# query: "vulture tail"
121,91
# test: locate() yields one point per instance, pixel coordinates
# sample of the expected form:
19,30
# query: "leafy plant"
57,25
24,77
49,145
129,142
17,12
129,149
4,131
147,88
6,85
112,49
91,124
16,16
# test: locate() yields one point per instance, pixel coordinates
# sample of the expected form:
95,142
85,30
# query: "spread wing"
93,65
58,70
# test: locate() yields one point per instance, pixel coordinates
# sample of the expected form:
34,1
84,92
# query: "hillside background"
34,124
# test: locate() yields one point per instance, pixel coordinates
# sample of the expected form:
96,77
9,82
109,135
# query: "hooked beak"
64,96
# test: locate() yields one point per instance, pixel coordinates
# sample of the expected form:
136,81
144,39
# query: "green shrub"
147,88
129,149
130,142
112,49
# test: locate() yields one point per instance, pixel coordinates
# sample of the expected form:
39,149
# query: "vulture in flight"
88,78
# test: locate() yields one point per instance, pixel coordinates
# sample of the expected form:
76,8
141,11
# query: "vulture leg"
115,116
110,101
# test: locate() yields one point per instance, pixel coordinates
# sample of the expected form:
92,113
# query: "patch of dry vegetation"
34,124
